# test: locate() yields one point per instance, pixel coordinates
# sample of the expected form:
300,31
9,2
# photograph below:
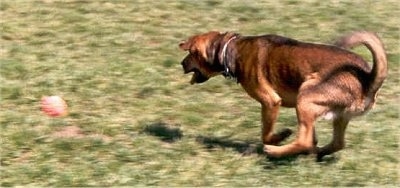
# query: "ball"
54,106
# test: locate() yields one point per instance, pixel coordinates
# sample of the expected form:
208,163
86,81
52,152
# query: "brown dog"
316,79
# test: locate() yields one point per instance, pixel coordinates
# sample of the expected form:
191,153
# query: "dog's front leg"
262,91
269,115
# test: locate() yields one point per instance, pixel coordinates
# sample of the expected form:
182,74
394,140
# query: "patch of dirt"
76,132
69,132
24,157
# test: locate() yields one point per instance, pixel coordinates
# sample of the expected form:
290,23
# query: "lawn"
134,119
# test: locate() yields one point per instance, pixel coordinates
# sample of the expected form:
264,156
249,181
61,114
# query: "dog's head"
203,57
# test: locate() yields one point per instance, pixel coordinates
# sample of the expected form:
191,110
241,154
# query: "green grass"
135,121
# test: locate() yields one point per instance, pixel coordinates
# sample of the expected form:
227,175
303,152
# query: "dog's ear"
185,45
216,45
212,50
206,44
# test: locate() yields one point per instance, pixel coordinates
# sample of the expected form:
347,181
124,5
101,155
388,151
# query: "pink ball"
54,106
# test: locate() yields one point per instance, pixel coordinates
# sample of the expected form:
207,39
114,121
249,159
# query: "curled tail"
374,44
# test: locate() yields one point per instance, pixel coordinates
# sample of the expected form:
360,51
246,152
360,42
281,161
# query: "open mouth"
197,77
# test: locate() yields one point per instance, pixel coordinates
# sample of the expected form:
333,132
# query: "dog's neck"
228,71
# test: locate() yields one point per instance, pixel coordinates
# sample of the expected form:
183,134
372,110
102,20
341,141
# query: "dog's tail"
375,45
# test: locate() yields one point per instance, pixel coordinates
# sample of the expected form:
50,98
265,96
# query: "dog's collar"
227,72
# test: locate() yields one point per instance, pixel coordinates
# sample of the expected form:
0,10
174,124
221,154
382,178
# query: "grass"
135,121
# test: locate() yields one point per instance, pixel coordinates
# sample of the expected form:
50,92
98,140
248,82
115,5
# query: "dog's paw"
272,151
319,154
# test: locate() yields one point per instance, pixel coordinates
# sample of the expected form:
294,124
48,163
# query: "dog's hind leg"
338,142
313,101
307,113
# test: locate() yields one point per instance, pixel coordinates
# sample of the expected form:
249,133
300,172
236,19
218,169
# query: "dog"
319,80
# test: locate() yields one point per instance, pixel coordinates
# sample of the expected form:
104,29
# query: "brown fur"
316,79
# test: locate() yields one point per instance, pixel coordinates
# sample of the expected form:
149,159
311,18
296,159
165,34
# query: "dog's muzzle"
197,77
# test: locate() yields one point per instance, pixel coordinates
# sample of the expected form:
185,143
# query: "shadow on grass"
250,148
170,134
328,160
245,148
273,163
164,131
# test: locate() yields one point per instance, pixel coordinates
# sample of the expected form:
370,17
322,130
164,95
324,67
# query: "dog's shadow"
171,134
165,132
243,147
